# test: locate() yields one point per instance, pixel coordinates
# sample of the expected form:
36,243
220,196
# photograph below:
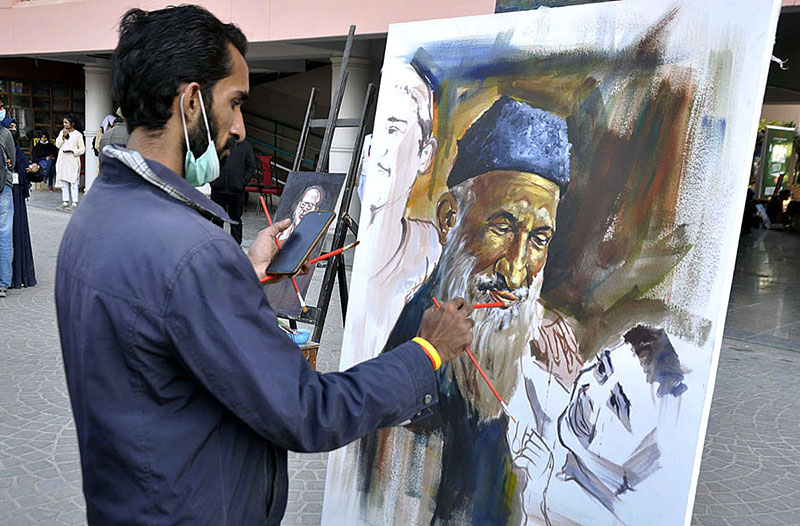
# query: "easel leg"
342,285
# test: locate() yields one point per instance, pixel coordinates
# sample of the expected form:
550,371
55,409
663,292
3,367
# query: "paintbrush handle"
332,253
488,305
269,220
480,370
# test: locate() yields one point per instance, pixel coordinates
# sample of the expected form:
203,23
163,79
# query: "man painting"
495,223
186,393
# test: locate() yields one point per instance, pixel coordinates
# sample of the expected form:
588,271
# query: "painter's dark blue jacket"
185,392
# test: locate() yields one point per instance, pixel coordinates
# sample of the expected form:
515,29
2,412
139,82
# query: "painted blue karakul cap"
514,136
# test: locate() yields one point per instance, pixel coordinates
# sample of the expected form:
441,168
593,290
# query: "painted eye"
621,406
540,240
604,368
501,228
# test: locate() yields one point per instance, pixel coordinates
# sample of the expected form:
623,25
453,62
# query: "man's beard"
500,336
198,139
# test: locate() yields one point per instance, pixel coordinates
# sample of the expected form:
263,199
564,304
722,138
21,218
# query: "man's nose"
237,127
512,266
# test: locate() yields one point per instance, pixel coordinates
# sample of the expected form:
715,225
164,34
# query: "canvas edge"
761,87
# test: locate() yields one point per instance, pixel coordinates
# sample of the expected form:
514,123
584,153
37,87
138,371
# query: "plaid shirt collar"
168,181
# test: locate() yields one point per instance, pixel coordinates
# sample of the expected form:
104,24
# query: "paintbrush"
333,252
296,288
285,327
506,410
489,305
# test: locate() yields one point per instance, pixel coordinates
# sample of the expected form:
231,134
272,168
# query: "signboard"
775,161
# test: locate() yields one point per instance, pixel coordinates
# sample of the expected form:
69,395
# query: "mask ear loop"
205,118
185,130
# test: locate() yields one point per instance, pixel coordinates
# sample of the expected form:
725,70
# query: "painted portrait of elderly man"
568,180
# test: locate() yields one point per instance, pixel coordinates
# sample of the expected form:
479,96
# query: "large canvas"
587,166
304,192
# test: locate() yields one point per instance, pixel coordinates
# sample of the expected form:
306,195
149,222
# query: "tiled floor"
750,473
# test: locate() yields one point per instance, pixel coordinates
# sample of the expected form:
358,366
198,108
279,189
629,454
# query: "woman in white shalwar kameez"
68,164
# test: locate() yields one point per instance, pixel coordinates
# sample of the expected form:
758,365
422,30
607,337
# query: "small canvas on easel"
304,192
586,166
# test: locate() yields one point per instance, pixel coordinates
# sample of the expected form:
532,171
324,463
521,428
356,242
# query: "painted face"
613,408
405,153
309,202
508,230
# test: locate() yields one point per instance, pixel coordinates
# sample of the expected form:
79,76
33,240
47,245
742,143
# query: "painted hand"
264,249
533,462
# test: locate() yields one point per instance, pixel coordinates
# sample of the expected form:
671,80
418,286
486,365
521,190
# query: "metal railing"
280,133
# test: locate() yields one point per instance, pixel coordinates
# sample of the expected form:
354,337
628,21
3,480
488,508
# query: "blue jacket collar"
164,179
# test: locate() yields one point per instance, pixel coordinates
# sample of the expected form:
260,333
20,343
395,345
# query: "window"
40,105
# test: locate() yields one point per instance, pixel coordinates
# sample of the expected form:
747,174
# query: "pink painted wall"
90,25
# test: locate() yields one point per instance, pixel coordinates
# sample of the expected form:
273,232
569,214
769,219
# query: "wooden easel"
336,267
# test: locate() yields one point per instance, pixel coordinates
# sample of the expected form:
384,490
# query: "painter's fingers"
447,329
305,269
463,306
277,228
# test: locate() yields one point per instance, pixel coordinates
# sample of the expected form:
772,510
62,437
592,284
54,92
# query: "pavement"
750,473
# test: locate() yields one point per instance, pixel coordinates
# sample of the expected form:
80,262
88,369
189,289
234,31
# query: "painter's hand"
264,249
448,329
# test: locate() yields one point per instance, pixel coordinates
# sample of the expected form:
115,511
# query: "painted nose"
512,265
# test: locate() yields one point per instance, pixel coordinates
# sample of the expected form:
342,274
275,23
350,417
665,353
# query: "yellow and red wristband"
430,350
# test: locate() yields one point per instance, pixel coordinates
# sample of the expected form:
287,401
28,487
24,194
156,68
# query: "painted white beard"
500,336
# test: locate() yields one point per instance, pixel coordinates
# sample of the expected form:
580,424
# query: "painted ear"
446,210
426,156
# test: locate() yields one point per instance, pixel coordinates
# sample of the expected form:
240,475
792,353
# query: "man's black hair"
160,50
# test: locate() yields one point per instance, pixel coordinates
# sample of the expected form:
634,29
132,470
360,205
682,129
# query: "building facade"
55,59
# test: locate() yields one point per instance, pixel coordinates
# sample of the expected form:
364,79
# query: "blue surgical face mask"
2,114
205,168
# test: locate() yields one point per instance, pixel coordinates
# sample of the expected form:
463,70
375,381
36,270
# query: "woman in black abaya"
24,273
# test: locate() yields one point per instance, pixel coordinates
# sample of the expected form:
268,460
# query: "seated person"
44,155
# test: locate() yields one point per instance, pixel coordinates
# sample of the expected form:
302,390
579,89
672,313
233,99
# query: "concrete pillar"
98,105
352,104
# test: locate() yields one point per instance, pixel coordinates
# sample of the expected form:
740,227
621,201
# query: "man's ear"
191,100
426,156
446,211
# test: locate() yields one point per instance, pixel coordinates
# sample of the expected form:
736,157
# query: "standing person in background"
118,134
44,154
8,157
23,273
5,116
228,190
108,122
68,165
